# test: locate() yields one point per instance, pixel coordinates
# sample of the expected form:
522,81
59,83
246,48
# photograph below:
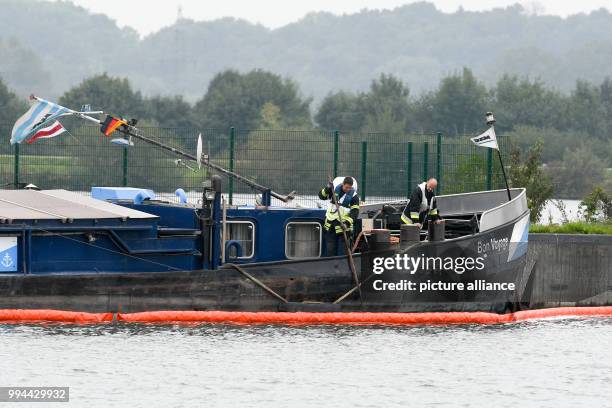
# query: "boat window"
244,233
303,240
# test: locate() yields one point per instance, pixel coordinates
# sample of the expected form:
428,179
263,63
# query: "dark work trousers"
335,242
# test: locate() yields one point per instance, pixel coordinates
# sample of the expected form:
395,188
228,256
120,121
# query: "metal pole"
223,228
16,168
364,161
425,161
504,173
489,169
125,166
256,281
347,247
409,171
439,161
134,132
231,164
336,148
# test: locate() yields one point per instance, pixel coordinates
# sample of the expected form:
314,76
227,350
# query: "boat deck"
60,205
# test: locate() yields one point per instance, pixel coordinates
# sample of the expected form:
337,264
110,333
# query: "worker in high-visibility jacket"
422,204
345,190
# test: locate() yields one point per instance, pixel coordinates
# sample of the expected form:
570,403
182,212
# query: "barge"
123,250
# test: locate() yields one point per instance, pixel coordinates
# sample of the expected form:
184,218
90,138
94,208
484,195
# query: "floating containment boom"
298,318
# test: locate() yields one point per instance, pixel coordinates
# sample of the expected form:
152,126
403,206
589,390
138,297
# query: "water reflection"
231,330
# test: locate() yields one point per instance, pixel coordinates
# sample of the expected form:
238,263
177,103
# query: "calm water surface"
553,363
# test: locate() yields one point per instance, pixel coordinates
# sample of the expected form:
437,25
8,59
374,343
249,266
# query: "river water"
546,363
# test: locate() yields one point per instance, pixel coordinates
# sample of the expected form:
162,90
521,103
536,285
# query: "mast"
134,132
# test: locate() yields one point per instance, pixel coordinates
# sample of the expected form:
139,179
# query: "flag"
39,116
487,139
55,129
111,124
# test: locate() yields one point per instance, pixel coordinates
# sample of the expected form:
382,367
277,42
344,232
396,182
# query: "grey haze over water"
417,42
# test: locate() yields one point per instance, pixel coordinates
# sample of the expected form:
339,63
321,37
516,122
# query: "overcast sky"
149,16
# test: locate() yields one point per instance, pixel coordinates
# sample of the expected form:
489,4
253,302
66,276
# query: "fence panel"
285,160
7,158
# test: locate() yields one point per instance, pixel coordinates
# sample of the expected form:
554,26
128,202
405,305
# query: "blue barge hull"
84,254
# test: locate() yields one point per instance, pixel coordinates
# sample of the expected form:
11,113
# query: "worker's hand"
419,226
437,221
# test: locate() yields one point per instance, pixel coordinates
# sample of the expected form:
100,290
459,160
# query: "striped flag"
39,116
55,129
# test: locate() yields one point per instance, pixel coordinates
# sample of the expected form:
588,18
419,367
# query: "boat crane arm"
134,132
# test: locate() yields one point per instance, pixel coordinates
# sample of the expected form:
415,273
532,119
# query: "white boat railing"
502,214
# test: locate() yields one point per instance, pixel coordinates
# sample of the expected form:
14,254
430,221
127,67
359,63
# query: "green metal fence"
385,165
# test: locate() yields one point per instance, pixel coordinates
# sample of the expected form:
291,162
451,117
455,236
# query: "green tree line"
574,128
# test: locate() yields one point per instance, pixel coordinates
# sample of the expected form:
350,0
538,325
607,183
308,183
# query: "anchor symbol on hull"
7,261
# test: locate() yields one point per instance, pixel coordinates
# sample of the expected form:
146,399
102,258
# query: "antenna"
199,151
